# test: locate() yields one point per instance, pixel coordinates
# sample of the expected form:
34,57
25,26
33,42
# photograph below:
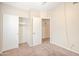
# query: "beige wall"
72,18
6,9
43,14
65,26
58,31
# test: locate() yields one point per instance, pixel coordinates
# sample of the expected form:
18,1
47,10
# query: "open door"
10,32
37,31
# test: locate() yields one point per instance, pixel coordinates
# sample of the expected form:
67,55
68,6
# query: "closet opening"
22,31
45,30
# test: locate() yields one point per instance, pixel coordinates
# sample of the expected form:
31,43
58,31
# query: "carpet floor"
44,49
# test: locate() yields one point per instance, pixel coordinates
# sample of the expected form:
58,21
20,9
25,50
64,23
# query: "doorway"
41,30
45,30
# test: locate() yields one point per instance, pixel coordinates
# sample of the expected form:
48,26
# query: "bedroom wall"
65,26
58,30
72,18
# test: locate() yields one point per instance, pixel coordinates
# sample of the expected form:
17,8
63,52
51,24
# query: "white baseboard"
66,48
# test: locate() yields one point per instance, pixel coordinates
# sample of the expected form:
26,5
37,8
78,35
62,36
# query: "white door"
37,31
10,32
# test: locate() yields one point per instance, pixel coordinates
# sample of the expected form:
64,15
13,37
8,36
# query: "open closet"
22,30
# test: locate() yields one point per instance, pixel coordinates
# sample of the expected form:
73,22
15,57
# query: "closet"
22,30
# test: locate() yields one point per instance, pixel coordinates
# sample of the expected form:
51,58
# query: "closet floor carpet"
45,49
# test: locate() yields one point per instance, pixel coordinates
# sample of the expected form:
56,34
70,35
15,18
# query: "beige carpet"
45,49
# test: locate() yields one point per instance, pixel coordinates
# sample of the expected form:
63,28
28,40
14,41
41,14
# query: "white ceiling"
34,5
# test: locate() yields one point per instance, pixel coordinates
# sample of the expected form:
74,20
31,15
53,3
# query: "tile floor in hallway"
44,49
